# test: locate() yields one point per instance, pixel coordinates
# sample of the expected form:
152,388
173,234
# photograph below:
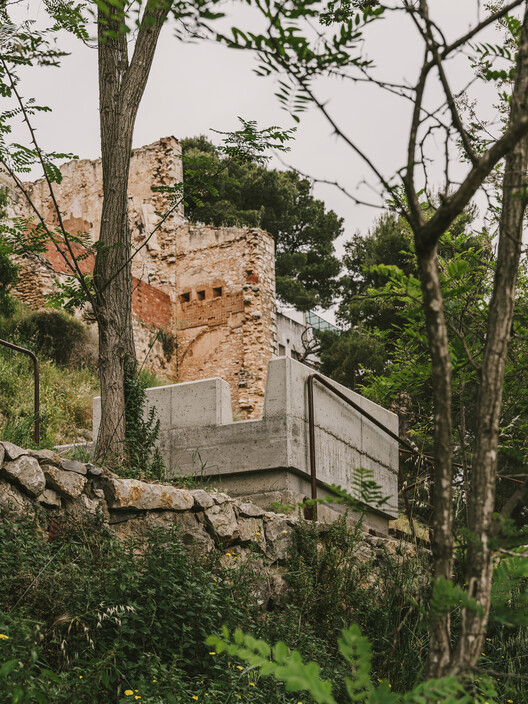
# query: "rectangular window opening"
185,297
217,292
200,295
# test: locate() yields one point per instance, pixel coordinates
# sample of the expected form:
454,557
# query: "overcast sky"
196,87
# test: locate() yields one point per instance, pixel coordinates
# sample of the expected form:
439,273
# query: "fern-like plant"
287,666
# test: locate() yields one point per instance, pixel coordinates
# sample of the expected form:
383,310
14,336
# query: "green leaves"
509,596
448,595
294,49
252,144
287,666
279,662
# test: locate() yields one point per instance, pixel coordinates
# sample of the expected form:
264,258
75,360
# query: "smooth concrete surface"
186,405
199,438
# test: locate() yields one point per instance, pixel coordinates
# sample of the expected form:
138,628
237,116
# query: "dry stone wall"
58,490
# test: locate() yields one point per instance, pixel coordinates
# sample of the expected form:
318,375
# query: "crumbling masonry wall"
203,298
225,314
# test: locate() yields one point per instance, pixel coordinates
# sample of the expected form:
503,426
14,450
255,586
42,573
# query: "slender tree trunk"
481,500
441,494
121,87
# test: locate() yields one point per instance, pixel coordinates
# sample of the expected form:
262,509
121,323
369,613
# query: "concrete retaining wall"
268,459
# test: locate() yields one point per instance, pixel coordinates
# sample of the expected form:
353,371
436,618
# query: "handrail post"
312,515
36,396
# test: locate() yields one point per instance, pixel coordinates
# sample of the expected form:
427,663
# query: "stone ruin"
203,297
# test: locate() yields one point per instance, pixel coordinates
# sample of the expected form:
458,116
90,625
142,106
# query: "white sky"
194,88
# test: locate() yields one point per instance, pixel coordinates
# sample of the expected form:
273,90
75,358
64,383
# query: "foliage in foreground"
356,650
87,618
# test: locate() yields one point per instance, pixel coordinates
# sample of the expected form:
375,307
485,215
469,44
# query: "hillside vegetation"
87,618
67,354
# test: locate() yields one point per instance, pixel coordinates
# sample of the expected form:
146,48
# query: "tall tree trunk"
481,500
441,494
121,87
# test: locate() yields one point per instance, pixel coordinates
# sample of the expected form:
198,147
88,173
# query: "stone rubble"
45,485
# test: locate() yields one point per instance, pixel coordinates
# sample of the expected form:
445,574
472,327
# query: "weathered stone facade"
225,314
203,297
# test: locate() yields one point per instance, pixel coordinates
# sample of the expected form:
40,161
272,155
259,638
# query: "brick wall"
225,311
150,305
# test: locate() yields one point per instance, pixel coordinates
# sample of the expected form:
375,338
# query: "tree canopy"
247,194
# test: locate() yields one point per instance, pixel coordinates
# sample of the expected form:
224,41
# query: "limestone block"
13,452
73,466
202,499
247,509
67,484
50,498
46,456
14,503
278,536
223,521
25,471
250,530
131,493
85,509
191,531
93,470
220,497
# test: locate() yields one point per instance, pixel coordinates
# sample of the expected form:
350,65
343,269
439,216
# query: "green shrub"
54,334
113,616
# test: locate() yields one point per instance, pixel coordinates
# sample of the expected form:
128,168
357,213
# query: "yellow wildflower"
212,652
3,636
251,684
239,667
129,692
195,697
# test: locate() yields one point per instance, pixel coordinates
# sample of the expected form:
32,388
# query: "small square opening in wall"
185,297
200,295
217,291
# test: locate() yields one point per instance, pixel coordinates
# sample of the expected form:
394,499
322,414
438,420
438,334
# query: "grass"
66,390
87,618
65,401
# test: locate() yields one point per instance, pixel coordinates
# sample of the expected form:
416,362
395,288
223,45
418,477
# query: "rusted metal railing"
10,345
311,432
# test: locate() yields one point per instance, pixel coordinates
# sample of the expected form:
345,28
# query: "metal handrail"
311,431
36,432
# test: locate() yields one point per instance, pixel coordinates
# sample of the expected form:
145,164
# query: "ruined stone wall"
56,491
225,312
207,292
80,197
152,308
